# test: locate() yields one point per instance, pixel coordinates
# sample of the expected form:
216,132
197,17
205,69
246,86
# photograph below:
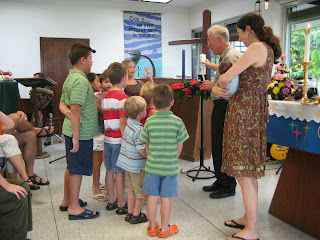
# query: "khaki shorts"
133,183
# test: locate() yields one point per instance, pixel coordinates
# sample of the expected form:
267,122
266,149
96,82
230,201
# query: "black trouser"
217,124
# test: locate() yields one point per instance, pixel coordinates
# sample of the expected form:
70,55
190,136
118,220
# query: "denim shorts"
112,153
163,186
81,162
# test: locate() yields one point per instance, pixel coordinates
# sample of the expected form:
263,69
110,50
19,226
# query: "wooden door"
55,64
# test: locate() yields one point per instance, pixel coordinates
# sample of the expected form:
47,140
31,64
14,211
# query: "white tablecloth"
294,110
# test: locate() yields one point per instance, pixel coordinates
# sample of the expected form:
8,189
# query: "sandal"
122,210
33,180
128,217
102,196
82,204
86,214
112,206
241,238
153,232
236,225
173,229
141,218
32,186
46,131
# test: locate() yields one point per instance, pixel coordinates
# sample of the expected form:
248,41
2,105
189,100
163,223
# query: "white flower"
272,85
292,90
275,82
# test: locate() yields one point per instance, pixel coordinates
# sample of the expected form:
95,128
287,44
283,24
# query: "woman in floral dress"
245,128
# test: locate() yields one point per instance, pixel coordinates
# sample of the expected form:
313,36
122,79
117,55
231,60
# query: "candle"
307,44
193,62
183,64
202,66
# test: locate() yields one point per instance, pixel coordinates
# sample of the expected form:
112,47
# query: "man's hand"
16,190
208,85
222,92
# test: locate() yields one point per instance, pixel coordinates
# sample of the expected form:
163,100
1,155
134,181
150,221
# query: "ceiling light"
154,1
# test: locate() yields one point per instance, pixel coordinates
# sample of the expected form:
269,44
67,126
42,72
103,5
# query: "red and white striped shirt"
113,110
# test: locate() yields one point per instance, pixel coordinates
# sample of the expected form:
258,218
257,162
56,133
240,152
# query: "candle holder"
304,99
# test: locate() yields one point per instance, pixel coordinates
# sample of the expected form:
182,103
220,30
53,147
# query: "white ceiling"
176,3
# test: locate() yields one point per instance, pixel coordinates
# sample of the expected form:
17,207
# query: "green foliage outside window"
297,53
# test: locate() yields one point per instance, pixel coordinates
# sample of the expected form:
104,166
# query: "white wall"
224,10
22,23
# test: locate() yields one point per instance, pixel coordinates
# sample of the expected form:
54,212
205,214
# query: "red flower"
177,86
194,82
201,87
187,91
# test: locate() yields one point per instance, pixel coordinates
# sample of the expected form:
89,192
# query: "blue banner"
142,32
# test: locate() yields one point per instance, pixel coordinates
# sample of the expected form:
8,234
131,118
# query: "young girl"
98,145
146,93
134,86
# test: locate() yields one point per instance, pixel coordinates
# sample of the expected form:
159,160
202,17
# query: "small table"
34,83
297,197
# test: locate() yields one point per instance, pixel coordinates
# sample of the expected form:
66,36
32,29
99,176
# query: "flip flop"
236,237
82,204
86,214
100,195
173,229
237,225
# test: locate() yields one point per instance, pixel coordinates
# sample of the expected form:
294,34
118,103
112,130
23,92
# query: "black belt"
220,100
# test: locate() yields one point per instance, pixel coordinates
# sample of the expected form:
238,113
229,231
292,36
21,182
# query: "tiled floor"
197,216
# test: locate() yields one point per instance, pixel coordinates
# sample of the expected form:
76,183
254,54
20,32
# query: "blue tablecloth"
297,134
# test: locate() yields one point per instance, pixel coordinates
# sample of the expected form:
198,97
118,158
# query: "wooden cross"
206,16
206,24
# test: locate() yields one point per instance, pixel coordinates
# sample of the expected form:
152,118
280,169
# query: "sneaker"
223,193
212,188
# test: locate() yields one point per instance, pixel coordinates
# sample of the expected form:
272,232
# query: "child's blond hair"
146,91
134,105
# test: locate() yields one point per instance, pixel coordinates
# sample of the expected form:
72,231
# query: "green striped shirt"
77,90
163,131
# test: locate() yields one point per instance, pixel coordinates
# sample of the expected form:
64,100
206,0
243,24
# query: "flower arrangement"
281,86
193,88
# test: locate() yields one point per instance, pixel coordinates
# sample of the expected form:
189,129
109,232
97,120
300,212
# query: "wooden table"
296,200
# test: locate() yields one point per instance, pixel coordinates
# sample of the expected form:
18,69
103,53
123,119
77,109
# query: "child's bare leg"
130,200
138,206
74,190
152,211
165,213
119,182
97,160
110,186
65,200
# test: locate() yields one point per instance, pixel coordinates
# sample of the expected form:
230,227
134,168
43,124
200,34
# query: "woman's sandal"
47,132
122,210
112,206
173,229
141,218
33,180
32,186
82,204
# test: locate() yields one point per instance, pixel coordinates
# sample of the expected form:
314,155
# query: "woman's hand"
222,92
149,73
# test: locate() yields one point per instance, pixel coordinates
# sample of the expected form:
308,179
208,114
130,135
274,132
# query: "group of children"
142,140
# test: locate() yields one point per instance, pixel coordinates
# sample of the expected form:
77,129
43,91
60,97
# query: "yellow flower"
269,86
281,84
276,90
291,49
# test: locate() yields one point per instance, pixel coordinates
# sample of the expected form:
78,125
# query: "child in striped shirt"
115,120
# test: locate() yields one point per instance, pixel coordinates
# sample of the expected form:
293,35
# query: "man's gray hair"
217,30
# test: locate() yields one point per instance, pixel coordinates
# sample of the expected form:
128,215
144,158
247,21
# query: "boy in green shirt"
164,134
79,130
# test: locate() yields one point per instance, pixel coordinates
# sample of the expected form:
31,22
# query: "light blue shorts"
163,186
112,153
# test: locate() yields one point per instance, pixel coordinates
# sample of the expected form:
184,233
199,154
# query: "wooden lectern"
34,83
